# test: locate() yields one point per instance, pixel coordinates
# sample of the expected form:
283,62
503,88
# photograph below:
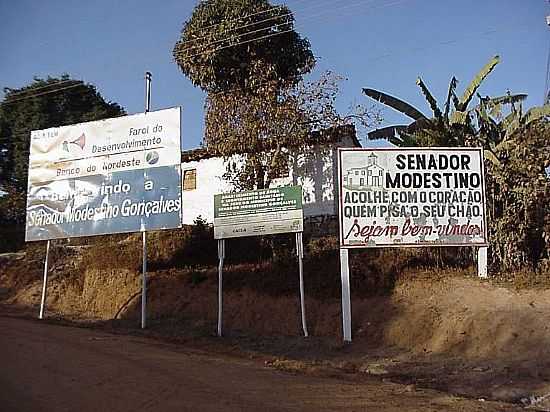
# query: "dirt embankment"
443,329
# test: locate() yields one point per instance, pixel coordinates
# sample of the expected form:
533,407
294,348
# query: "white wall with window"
315,171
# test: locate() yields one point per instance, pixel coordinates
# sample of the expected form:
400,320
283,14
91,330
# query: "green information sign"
258,212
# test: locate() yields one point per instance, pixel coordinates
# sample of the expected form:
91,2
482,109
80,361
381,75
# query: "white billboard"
108,176
411,197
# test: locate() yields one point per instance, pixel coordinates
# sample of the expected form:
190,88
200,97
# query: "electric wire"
41,94
279,16
244,17
33,89
234,20
271,34
228,38
181,52
380,57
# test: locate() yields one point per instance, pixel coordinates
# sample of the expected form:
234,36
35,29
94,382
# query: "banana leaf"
459,117
394,103
494,104
516,122
429,97
507,99
489,155
535,114
476,82
450,94
386,132
420,124
403,140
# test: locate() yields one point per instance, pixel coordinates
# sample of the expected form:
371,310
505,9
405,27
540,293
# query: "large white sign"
108,176
411,197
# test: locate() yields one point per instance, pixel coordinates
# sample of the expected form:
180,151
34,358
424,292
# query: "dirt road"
46,367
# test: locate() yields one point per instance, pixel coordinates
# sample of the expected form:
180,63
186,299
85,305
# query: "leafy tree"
42,104
261,131
246,55
223,41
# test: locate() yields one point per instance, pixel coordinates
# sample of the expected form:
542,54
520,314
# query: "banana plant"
499,133
398,135
451,125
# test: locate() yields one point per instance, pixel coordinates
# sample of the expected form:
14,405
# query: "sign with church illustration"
393,197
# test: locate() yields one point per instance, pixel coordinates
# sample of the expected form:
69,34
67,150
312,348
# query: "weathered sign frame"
242,219
151,157
344,248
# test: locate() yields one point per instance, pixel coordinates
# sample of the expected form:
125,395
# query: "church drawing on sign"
366,177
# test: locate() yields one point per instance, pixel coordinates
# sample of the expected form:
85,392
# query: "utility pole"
148,77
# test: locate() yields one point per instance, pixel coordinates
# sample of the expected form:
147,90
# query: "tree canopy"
249,59
223,39
42,104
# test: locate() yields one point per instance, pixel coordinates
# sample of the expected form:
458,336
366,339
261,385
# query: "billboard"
108,176
411,197
258,212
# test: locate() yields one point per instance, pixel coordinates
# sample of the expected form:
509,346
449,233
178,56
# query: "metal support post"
44,283
346,295
300,253
482,262
221,256
144,282
148,77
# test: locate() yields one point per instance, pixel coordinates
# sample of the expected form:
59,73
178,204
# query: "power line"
443,43
347,6
179,52
182,51
318,6
228,38
386,55
243,42
236,19
271,34
33,89
235,28
43,93
241,18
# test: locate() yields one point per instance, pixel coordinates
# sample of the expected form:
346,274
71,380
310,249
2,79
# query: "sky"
381,44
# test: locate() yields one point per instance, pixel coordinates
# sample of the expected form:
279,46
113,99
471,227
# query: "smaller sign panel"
258,212
412,197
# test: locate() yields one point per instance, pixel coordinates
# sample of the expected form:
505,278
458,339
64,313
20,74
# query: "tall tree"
42,104
224,39
249,59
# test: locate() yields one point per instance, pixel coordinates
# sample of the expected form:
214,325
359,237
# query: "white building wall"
200,201
315,172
